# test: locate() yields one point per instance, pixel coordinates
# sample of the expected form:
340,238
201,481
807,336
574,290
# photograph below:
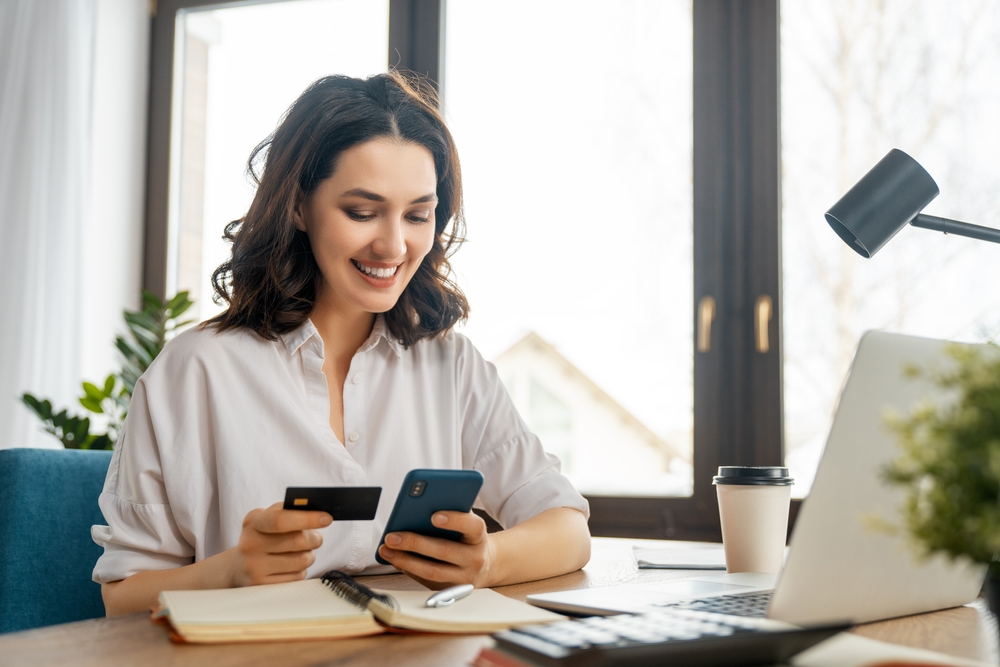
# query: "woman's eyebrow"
364,194
371,196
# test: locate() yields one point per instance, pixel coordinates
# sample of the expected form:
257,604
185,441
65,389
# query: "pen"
449,595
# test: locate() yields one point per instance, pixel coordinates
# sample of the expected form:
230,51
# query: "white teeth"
376,273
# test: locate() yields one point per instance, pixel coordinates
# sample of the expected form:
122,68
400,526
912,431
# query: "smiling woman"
335,364
369,245
338,119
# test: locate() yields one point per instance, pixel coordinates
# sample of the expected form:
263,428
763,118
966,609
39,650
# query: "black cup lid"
760,476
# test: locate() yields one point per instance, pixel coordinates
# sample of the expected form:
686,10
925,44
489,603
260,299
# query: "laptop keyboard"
753,605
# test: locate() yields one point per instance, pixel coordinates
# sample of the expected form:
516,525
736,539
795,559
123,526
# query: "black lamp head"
883,202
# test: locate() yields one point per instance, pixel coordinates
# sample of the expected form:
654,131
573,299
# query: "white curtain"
46,52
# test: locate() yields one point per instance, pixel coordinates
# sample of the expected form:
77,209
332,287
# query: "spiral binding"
346,587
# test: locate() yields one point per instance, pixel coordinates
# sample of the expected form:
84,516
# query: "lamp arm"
957,228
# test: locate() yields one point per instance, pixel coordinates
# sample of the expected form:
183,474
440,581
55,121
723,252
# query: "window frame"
737,235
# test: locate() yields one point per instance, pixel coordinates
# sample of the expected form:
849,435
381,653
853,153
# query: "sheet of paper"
682,557
849,650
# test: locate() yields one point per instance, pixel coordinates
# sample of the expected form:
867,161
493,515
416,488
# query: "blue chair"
48,502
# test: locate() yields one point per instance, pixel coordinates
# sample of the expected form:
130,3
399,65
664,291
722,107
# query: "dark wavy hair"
270,282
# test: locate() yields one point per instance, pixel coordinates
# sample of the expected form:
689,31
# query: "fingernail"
326,519
387,553
440,519
393,539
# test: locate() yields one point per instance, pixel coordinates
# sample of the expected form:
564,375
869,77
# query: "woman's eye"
422,216
360,216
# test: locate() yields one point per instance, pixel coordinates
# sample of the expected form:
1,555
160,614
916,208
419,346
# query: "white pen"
449,595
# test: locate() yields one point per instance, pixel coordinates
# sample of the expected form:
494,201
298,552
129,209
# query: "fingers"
435,560
278,567
430,547
424,570
277,520
300,540
472,527
277,545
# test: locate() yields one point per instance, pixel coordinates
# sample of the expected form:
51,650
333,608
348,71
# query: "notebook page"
270,603
483,610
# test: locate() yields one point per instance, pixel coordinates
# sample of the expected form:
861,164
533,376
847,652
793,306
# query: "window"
859,79
576,162
682,100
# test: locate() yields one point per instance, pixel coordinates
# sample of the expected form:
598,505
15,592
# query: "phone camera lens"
417,488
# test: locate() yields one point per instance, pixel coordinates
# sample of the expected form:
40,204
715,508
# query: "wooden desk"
968,631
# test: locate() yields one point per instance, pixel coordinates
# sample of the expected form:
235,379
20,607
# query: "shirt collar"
381,331
295,339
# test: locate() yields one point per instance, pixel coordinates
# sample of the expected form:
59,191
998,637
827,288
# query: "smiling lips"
379,274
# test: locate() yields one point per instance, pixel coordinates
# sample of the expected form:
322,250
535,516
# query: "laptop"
841,566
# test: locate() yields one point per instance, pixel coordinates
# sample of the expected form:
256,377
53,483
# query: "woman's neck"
342,333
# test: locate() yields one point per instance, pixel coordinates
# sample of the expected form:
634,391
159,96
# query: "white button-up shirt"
221,424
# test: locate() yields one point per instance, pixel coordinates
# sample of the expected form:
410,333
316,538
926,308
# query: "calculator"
671,636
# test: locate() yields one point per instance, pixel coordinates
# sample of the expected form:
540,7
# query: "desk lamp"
888,197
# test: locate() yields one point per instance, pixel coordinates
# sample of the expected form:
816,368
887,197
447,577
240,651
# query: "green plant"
148,329
950,461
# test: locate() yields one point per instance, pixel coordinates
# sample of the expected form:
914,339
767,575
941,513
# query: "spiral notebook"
332,607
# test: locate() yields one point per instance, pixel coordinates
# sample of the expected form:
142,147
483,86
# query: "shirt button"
354,437
356,379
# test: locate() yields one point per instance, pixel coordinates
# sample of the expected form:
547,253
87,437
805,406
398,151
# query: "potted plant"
148,331
950,465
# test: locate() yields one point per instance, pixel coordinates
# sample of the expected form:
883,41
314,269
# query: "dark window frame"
737,235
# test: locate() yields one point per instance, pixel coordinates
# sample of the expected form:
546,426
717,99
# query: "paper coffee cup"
753,508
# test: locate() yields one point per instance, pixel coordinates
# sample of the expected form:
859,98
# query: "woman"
334,365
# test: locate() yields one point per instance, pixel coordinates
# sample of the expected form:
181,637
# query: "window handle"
761,318
706,314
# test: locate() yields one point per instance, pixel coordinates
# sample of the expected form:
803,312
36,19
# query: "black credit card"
343,503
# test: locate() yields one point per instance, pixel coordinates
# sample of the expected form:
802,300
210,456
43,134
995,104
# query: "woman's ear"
298,215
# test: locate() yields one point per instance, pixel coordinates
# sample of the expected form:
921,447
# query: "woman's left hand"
464,562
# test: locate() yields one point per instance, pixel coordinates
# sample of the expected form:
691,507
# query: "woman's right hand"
277,545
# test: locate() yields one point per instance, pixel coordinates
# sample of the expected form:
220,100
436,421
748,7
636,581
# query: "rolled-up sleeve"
521,479
141,533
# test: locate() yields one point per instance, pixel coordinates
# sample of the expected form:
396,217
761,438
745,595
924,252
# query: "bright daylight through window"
576,156
858,79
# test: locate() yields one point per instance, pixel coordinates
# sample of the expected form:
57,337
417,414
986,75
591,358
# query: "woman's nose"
390,242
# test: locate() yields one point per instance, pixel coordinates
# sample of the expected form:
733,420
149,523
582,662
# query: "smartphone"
425,492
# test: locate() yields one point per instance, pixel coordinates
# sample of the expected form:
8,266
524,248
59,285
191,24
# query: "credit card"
343,503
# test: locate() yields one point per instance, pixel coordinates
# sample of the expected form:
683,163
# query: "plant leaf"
134,352
109,385
91,390
177,301
142,325
36,406
91,404
151,301
82,429
102,441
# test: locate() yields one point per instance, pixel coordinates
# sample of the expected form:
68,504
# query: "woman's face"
370,224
